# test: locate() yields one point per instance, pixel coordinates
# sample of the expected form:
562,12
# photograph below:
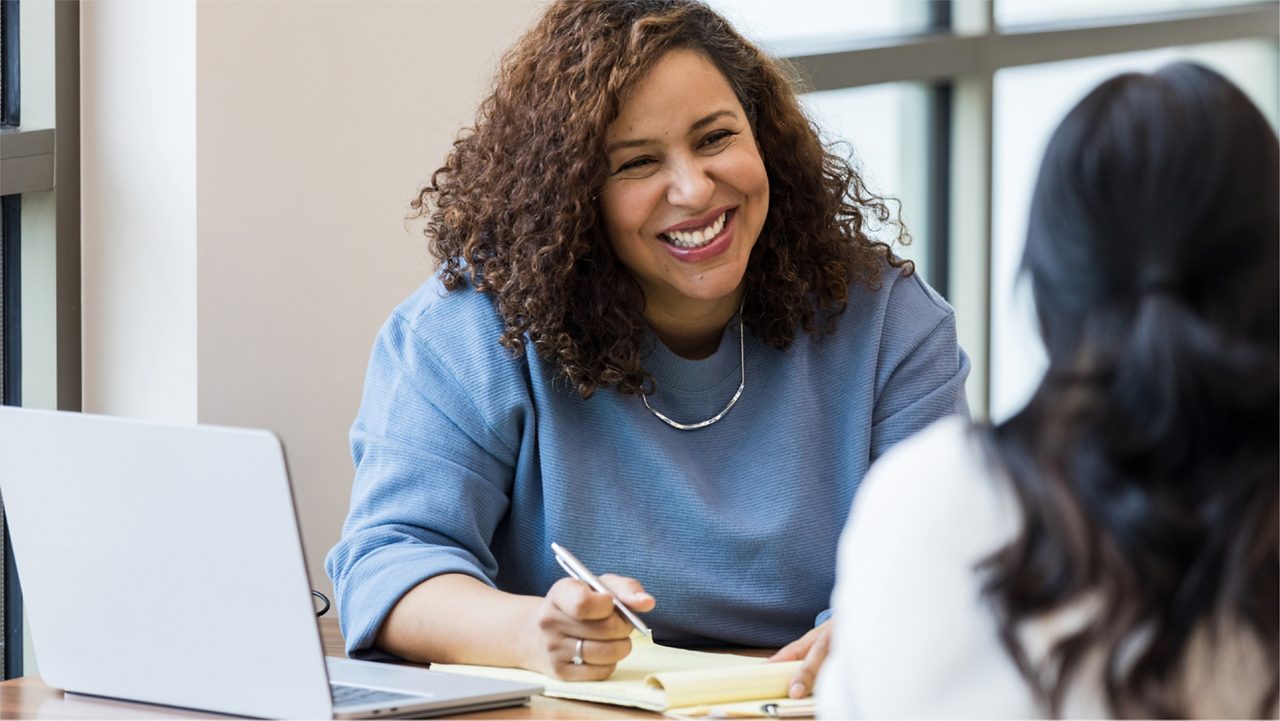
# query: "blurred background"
204,201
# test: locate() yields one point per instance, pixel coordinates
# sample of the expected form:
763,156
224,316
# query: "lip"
701,221
718,244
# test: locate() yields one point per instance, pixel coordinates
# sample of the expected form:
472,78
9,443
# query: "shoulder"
914,633
457,328
452,337
940,474
906,334
897,296
903,310
895,315
463,315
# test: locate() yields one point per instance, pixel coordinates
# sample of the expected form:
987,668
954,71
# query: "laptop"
163,564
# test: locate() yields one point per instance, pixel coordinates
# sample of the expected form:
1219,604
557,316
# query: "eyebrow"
638,142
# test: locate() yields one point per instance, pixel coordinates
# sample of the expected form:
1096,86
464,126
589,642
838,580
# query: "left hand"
811,649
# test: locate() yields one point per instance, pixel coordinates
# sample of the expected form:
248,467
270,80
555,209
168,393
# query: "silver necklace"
742,383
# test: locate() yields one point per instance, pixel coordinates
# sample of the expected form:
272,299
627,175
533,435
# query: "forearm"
454,618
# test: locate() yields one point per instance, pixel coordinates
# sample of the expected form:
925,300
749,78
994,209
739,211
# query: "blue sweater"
471,461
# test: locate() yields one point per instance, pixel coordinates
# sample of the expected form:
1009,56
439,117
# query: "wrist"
527,633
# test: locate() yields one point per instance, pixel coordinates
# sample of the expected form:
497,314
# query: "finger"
802,682
585,672
598,658
577,601
613,628
601,653
797,649
630,591
557,623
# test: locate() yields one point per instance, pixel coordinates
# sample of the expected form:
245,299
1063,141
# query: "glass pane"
774,24
9,63
884,130
1035,12
1029,102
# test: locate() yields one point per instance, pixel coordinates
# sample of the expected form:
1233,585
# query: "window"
10,242
1029,12
39,236
885,128
779,26
1029,102
947,106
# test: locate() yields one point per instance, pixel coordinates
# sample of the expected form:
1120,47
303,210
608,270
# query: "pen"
800,708
574,567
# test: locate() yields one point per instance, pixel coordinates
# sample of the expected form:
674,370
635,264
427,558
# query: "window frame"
960,59
40,163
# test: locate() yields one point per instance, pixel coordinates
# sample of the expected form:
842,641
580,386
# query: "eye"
717,137
634,164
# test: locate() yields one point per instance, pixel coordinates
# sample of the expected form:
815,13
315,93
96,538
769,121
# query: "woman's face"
687,191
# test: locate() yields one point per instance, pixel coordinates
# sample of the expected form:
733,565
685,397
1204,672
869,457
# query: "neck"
693,333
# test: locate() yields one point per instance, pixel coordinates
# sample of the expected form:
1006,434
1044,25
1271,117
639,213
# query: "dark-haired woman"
1111,550
660,336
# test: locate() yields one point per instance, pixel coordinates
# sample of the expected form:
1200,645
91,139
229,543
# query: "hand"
572,611
811,649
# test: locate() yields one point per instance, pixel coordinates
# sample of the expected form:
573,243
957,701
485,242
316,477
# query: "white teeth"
696,238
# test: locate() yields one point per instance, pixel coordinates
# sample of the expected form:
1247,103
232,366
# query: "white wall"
138,208
312,126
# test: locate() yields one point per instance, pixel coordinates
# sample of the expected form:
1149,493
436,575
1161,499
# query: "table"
31,698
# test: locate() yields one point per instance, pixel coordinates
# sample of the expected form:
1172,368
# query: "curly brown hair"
514,209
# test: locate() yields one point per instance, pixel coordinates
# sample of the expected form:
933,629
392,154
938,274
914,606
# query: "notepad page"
656,678
720,685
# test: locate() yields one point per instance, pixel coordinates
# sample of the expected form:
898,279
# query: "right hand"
572,611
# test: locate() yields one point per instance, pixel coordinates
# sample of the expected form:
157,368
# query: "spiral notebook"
675,681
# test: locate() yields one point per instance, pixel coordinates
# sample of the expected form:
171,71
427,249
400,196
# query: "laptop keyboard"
344,695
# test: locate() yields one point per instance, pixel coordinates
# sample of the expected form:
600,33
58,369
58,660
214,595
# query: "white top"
913,637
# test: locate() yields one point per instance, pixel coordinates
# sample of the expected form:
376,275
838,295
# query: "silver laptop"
163,564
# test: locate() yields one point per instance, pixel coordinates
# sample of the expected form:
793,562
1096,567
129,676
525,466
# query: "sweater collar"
673,371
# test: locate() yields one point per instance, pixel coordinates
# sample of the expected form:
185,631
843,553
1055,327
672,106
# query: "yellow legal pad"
663,679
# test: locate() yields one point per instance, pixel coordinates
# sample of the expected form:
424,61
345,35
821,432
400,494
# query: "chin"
710,294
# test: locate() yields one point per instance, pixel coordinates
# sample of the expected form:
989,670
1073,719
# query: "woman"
1111,550
660,336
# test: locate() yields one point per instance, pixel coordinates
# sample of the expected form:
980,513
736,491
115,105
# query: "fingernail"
797,690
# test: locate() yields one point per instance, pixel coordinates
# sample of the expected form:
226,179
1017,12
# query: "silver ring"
577,654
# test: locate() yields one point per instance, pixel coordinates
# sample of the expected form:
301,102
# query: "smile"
698,237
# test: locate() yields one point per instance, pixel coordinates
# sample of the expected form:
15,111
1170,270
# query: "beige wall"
313,125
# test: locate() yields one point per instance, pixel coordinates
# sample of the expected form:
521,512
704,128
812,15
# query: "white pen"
574,567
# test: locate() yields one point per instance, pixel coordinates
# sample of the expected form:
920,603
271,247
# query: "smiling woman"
641,221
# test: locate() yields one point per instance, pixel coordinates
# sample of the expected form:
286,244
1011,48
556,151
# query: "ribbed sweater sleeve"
921,371
422,451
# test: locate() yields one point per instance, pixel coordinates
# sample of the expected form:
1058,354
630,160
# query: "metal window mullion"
943,56
26,160
1028,48
912,59
970,205
11,640
67,180
939,186
10,109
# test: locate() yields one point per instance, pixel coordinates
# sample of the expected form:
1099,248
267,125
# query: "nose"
690,185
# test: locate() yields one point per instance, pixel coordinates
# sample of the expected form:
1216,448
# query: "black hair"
1145,463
